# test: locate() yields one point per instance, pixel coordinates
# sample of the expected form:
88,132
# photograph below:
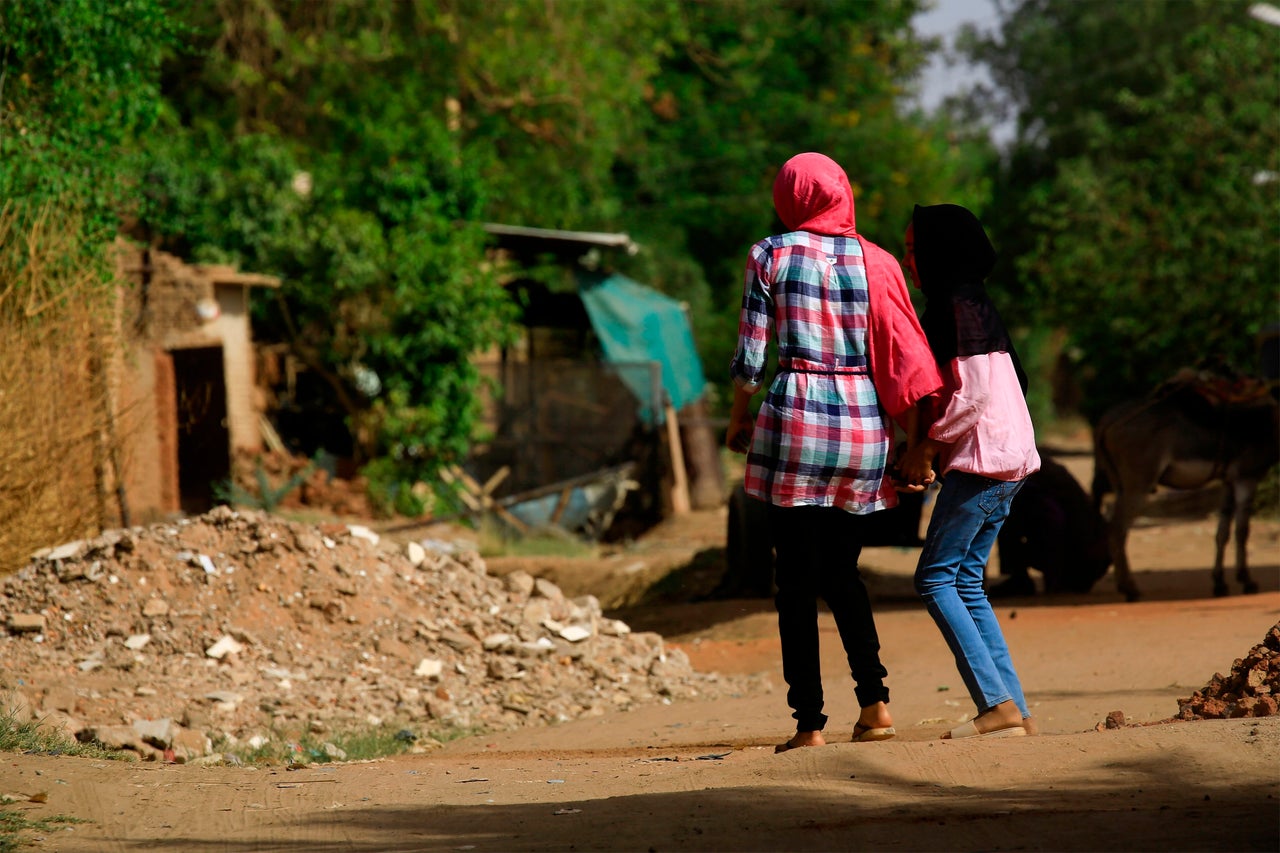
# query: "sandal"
970,730
865,734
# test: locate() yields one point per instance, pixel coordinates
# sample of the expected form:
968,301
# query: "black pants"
817,557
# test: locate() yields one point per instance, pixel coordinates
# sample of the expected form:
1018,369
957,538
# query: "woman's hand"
907,488
917,466
738,437
741,425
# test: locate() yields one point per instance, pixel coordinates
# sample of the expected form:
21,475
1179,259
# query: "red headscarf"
812,193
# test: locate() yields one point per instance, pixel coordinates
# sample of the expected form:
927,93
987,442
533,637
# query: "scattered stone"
225,646
496,641
392,648
25,623
69,551
158,733
60,698
359,531
575,633
429,668
1250,690
416,553
16,704
188,745
520,583
614,628
547,589
155,608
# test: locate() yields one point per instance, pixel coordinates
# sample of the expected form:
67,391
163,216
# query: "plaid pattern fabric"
820,438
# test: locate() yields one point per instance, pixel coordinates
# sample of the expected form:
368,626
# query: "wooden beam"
680,504
561,505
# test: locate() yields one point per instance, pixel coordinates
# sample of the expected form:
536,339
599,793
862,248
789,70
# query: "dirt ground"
695,775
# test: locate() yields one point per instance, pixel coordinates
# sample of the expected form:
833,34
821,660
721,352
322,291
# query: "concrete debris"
225,646
131,640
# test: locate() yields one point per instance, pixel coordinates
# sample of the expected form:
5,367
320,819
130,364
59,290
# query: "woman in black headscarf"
983,441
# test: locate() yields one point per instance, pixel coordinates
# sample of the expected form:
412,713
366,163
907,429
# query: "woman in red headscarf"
851,357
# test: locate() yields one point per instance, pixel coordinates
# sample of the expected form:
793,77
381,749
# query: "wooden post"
702,456
680,503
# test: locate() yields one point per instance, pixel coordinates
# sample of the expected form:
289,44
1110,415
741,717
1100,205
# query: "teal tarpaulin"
637,324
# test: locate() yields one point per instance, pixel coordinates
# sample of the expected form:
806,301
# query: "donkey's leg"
1124,511
1245,490
1225,513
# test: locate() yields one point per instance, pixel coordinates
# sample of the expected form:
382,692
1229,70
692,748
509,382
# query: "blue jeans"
966,519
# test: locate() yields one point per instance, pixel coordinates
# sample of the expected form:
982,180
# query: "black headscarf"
953,257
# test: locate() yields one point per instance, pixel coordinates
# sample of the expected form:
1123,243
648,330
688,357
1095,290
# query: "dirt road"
703,776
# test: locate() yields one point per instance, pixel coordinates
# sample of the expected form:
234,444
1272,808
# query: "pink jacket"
984,420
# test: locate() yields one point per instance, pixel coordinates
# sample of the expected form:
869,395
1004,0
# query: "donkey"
1055,527
1185,437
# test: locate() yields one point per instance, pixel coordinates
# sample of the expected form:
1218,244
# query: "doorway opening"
204,443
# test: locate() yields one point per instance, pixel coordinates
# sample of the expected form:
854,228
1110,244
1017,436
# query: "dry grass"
60,337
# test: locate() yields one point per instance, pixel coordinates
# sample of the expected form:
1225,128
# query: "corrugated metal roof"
589,238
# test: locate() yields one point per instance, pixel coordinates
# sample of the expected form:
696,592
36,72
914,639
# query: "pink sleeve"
902,365
972,376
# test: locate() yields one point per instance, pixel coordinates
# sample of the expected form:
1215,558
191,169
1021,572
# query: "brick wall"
168,306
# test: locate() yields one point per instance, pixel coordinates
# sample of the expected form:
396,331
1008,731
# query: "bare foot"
874,723
1003,716
1030,724
801,739
875,716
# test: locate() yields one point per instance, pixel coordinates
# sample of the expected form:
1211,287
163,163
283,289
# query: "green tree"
79,81
745,86
304,142
1139,200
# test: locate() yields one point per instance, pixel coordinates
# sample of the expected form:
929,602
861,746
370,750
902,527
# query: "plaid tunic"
820,437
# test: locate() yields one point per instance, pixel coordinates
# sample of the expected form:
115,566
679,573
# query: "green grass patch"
14,825
495,539
363,744
35,737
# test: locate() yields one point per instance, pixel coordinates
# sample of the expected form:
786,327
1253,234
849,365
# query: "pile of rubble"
1251,690
234,627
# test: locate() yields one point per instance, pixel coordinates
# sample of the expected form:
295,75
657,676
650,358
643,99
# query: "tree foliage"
304,142
1139,200
354,147
745,86
78,85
